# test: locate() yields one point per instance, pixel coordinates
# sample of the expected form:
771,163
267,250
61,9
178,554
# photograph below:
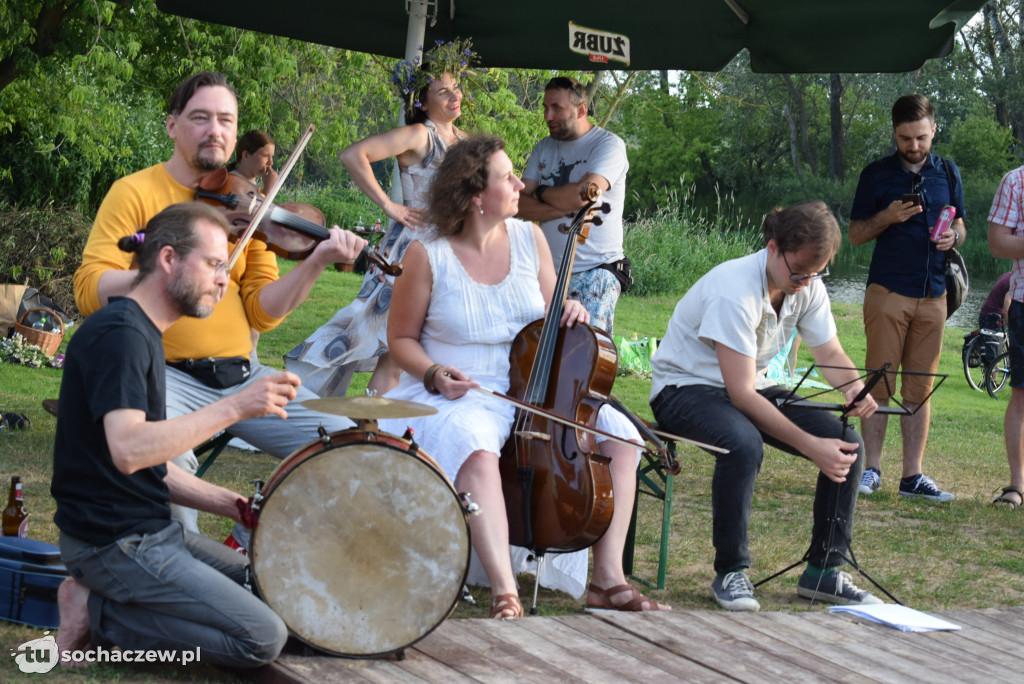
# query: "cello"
557,488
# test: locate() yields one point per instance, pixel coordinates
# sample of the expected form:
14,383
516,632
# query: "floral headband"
410,77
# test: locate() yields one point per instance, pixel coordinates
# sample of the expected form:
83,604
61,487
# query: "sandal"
502,604
1006,498
634,604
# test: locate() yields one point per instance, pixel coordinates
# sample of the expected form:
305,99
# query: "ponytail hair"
174,227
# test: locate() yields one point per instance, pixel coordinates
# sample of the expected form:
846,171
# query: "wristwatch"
539,192
956,237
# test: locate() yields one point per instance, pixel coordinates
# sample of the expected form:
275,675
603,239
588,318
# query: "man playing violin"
709,384
209,359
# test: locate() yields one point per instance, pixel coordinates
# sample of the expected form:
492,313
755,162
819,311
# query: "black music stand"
870,377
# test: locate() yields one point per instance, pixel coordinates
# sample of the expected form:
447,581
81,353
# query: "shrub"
42,248
672,248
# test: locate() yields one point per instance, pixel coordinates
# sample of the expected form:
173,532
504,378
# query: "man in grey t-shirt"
577,153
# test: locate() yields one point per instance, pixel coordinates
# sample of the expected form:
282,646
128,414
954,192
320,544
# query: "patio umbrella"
783,36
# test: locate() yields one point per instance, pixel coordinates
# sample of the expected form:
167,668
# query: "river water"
845,283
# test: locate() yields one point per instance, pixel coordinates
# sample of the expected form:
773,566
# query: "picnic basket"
46,340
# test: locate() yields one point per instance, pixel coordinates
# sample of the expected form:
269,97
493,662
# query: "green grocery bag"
635,354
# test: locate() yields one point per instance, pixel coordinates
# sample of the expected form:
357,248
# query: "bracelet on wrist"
428,379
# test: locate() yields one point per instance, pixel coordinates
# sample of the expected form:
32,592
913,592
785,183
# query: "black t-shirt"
114,361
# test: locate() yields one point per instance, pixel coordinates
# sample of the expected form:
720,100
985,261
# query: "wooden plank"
513,632
465,649
676,632
998,630
679,667
990,640
824,645
975,642
617,664
690,646
851,646
898,650
953,655
314,669
815,663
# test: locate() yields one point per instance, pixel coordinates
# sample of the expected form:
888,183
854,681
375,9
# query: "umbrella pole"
414,36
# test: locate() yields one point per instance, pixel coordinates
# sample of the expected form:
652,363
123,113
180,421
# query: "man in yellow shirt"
209,359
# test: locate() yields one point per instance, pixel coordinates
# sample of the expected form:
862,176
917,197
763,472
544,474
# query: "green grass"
966,554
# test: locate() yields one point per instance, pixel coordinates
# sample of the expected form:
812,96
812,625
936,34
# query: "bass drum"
362,545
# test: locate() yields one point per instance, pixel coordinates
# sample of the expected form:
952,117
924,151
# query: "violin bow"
586,428
268,198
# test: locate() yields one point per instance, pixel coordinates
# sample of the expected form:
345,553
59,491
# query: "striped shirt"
1008,210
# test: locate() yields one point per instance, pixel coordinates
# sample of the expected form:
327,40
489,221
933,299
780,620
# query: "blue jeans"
704,413
174,591
277,437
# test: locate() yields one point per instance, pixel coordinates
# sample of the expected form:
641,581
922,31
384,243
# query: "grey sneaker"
735,592
835,587
923,487
870,479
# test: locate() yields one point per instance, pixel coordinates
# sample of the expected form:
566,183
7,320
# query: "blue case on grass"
30,572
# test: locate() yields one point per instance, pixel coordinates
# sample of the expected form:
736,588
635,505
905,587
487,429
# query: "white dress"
471,326
357,334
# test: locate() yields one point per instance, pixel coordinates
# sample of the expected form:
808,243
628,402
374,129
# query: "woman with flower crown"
357,334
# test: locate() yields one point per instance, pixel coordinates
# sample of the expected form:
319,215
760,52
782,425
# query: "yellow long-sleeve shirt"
128,206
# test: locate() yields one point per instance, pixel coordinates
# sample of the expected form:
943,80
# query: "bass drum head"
362,549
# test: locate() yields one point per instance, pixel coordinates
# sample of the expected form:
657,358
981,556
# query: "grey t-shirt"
559,162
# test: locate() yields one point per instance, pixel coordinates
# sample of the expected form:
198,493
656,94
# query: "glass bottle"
15,518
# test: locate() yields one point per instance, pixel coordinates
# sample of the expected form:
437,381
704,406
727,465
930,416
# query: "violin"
291,230
558,489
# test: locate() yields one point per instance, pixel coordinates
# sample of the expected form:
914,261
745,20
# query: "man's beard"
188,299
206,163
565,131
922,155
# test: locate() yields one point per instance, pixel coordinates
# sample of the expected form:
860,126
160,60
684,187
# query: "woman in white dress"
463,297
357,334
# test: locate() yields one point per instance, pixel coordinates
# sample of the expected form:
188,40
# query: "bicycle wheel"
997,374
974,366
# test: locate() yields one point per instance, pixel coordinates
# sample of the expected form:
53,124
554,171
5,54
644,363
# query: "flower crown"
410,77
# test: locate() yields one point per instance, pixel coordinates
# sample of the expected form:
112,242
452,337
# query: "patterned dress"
357,334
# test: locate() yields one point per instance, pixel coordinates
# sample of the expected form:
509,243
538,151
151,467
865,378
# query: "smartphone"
914,199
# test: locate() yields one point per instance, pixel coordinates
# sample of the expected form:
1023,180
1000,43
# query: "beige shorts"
906,332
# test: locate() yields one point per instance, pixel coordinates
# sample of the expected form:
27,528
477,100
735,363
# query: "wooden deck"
689,646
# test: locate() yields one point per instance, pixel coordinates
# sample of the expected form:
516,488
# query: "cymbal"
369,408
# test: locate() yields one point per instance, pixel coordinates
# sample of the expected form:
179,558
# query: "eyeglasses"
801,277
217,265
918,182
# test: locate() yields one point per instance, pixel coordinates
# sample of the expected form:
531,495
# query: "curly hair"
463,173
175,226
801,225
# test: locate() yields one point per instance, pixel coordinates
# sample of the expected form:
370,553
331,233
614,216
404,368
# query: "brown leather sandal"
506,603
1006,498
634,604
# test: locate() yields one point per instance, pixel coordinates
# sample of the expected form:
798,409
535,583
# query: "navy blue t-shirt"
905,260
114,361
